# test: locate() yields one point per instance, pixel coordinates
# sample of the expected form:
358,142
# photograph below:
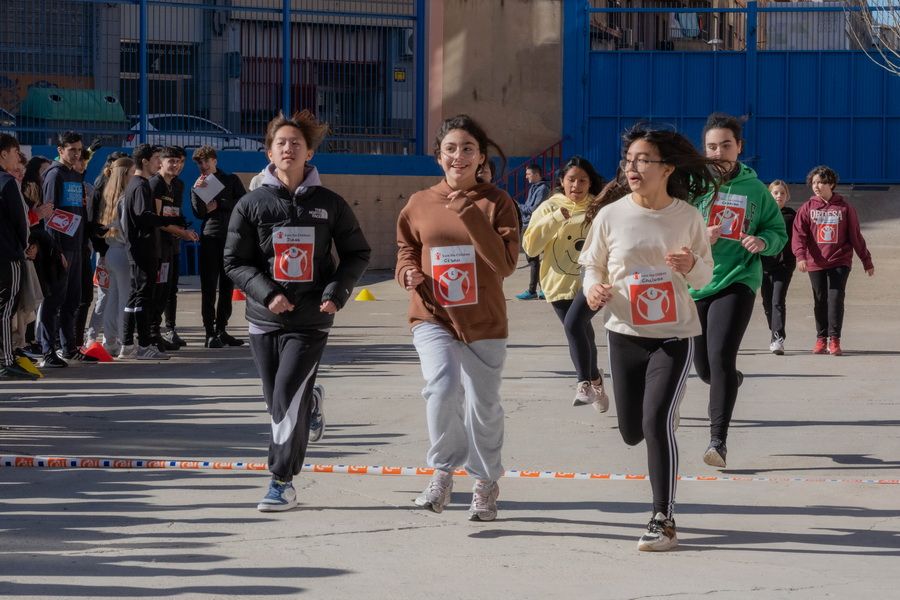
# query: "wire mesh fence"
193,72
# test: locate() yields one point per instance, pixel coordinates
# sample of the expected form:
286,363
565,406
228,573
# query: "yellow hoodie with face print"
560,241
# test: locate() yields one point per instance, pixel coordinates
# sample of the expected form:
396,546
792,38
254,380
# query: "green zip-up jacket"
743,206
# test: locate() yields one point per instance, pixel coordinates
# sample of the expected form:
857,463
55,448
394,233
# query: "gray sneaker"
584,394
437,495
150,352
128,351
660,535
484,501
601,404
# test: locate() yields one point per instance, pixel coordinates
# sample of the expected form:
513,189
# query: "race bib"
294,250
170,211
453,275
652,297
101,277
728,212
64,222
72,195
163,276
827,228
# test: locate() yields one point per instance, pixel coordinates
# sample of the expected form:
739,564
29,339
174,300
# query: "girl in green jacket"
743,222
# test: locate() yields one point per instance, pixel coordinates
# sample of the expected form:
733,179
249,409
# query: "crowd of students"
669,250
62,237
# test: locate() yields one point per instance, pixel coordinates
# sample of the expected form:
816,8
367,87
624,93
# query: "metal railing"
193,72
549,160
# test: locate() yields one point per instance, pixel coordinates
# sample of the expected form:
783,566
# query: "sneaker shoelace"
481,497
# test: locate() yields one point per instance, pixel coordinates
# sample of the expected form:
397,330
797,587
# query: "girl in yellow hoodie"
557,229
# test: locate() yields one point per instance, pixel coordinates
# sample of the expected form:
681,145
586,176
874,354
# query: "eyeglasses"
640,164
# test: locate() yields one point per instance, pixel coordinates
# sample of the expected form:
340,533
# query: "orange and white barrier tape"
51,462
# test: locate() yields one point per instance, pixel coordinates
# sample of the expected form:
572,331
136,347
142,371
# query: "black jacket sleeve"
198,206
244,264
353,252
12,213
96,230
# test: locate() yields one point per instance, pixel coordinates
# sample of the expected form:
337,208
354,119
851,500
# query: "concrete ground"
71,533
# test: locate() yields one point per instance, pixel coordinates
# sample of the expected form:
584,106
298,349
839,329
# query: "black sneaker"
52,361
34,351
230,340
715,453
163,345
317,414
79,356
172,336
14,371
741,378
19,352
213,341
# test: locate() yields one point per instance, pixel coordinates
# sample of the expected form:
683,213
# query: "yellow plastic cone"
365,296
28,366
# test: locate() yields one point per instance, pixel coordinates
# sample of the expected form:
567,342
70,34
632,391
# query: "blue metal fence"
192,72
793,70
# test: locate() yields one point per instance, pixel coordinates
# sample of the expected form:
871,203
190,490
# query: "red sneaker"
821,346
834,347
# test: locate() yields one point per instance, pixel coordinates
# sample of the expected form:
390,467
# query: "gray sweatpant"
462,400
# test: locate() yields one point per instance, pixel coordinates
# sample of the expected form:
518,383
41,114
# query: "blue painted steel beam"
144,82
421,70
286,58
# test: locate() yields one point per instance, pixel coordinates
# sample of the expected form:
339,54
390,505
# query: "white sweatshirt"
626,247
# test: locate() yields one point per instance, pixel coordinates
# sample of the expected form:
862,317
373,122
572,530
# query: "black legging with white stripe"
648,377
10,284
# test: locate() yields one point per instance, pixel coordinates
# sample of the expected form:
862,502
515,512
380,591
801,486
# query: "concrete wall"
501,62
377,201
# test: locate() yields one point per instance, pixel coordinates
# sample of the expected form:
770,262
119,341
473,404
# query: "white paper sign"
208,192
64,222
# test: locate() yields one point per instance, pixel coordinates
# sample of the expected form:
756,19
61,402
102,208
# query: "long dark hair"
584,164
694,174
470,126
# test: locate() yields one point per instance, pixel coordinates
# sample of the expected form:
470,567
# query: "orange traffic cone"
237,295
98,351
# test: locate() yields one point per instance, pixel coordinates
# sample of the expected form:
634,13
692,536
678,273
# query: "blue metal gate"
808,101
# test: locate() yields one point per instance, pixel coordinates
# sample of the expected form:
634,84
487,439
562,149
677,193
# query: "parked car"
7,122
188,131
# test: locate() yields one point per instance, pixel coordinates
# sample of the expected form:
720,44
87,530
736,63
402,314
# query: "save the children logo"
293,248
827,225
454,276
728,214
652,297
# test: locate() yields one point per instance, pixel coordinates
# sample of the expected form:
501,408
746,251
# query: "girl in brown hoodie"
457,241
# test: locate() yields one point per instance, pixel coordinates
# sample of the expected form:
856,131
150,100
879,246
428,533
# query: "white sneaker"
437,495
150,353
660,535
113,347
777,347
585,393
484,501
601,404
127,351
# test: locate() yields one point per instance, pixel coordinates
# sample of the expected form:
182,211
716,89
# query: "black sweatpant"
171,307
139,308
576,316
161,298
534,263
724,318
774,290
56,316
87,295
288,362
10,284
829,287
213,279
649,377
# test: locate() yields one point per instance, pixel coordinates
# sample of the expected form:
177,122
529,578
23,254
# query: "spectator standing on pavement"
279,252
557,231
458,241
826,233
170,309
215,212
538,191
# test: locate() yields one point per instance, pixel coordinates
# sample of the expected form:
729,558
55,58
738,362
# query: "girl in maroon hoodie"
826,232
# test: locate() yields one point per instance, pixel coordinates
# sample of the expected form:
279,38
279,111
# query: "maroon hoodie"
827,233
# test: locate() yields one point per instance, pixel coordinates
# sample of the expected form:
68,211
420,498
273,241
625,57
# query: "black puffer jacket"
249,252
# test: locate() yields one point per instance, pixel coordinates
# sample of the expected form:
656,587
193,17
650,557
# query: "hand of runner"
870,272
598,295
189,235
753,244
714,231
44,211
413,278
31,251
212,205
201,182
801,266
280,304
681,262
328,307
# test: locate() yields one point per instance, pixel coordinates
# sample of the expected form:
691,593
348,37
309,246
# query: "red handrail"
549,160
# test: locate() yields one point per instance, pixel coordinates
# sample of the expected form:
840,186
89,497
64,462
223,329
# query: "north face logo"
319,213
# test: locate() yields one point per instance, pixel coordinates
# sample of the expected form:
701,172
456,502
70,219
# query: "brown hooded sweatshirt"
464,248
